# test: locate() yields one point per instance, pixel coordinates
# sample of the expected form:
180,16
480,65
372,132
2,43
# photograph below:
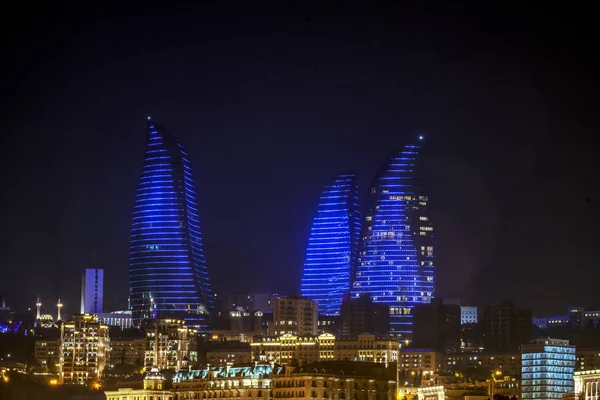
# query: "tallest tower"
167,270
396,259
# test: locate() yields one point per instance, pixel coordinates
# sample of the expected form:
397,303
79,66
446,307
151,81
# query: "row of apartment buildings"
85,349
325,347
360,381
262,381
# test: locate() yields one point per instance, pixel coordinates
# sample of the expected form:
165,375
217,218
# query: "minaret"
38,305
59,306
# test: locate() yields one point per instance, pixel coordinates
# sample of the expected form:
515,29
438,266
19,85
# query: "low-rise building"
416,360
248,382
122,319
540,322
591,315
295,316
587,384
265,381
504,385
155,387
338,380
558,321
221,354
325,347
578,318
431,393
128,351
366,347
47,353
6,367
587,359
238,325
170,345
481,364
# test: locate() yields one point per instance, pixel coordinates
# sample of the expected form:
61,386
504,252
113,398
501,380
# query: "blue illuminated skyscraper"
395,262
332,244
167,270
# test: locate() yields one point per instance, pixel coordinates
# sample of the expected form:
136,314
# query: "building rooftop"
350,368
558,342
254,371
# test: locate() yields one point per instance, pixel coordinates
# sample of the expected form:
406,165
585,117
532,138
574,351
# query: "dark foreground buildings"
437,326
506,327
167,270
361,315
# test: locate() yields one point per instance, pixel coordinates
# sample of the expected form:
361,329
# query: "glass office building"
332,244
547,369
167,270
396,255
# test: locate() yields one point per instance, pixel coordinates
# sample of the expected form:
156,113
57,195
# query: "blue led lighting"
166,256
332,244
395,263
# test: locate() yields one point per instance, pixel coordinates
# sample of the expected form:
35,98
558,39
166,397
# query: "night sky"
271,101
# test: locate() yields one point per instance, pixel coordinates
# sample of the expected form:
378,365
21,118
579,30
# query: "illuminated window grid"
168,273
396,259
332,244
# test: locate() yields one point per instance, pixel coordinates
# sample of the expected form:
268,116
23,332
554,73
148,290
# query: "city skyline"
347,200
271,102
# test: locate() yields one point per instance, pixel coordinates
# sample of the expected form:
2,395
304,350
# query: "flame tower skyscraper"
396,261
332,244
167,269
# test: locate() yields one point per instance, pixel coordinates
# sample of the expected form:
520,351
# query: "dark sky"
273,100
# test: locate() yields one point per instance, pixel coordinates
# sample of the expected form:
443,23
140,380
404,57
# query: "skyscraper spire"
38,305
58,306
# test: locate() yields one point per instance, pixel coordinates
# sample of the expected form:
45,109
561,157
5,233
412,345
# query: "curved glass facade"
167,270
396,262
332,244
